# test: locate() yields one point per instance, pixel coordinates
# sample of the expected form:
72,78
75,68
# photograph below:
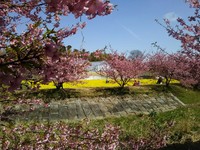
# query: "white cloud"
171,16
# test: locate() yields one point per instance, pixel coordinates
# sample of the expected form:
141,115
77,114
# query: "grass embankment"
182,125
185,121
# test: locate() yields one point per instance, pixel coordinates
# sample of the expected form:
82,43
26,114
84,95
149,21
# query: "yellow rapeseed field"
99,83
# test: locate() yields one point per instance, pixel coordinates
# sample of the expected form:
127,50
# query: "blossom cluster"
59,136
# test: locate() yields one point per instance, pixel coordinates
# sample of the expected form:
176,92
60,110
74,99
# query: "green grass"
187,96
54,94
186,122
186,119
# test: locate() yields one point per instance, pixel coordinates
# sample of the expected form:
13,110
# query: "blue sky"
131,26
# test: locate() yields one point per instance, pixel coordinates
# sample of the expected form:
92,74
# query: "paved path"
99,107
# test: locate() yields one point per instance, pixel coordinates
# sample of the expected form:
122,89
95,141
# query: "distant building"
96,66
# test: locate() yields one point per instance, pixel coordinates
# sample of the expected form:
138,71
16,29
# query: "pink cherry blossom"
120,69
37,42
188,33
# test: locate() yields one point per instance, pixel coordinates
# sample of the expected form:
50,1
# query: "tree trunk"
167,81
59,85
122,86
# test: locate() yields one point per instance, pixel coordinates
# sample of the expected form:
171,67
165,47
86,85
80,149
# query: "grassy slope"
186,120
187,96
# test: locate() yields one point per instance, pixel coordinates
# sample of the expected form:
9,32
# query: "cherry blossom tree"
42,36
188,33
120,69
68,68
38,45
187,70
163,64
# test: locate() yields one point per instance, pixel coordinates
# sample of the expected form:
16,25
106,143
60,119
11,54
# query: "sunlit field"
99,83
